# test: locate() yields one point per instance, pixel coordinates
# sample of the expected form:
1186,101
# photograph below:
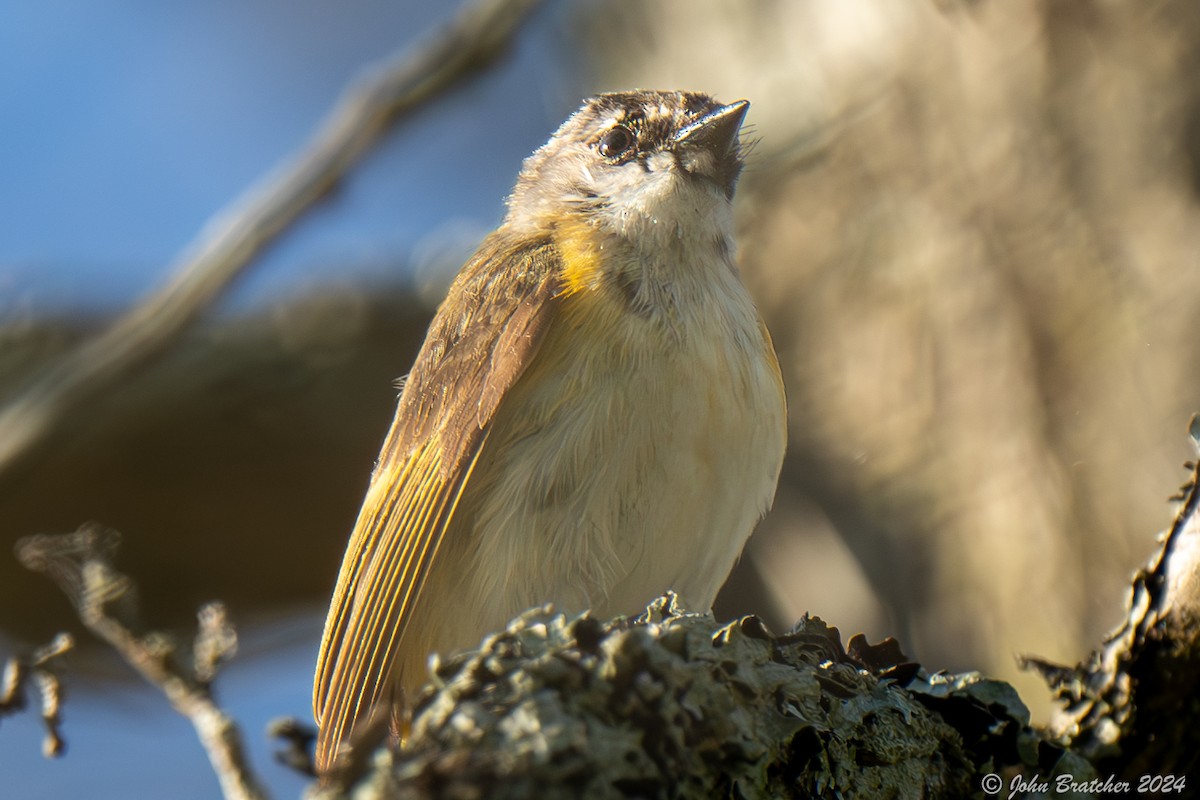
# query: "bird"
596,415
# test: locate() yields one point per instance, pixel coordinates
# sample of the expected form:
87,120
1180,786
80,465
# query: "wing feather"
480,343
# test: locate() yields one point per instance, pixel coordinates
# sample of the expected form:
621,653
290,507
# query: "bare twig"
297,739
228,243
81,563
42,669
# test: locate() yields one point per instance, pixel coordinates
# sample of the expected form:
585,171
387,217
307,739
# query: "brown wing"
480,342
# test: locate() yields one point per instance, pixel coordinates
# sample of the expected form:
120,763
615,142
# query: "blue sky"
130,123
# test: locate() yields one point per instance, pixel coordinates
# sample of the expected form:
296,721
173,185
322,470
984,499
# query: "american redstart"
596,415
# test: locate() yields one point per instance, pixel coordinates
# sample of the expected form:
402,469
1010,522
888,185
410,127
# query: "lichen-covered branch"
675,704
82,564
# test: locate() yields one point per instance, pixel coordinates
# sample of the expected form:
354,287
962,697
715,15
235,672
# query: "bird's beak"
709,146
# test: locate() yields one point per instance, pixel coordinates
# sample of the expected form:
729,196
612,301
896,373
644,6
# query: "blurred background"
972,226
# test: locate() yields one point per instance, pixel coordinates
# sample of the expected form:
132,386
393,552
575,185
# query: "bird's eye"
616,142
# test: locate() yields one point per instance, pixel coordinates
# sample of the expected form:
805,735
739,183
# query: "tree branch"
675,704
228,243
81,563
1132,706
42,669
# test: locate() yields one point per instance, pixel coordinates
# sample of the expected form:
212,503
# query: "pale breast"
632,459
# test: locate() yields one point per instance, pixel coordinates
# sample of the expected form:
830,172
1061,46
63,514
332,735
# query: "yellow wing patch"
480,342
399,531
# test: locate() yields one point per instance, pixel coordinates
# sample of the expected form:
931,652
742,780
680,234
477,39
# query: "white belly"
624,463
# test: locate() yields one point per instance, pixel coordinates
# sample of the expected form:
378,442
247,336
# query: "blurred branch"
81,563
298,739
229,242
42,669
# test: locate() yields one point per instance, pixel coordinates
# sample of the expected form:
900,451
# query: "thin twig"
298,739
81,563
228,243
41,669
